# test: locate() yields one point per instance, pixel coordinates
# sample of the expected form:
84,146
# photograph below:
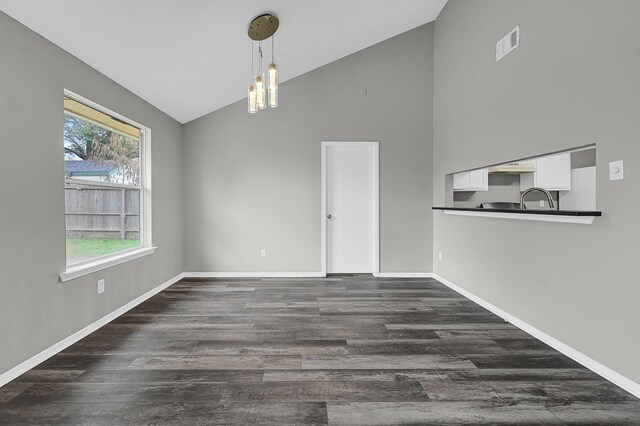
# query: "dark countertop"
518,211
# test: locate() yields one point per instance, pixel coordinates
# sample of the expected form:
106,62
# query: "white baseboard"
590,363
253,275
27,365
404,275
297,275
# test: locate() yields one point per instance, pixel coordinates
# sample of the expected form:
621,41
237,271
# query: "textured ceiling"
191,57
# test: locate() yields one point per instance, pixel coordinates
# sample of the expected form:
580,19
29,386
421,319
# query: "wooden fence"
102,213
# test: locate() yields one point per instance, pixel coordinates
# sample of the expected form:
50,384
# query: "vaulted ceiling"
191,57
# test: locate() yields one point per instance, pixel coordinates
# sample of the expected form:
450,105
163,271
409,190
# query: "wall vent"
508,43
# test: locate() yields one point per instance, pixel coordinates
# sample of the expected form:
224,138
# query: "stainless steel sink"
500,205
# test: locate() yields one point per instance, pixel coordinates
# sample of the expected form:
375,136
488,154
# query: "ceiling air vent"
508,43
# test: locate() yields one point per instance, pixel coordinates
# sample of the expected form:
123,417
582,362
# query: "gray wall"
585,158
573,81
36,310
253,181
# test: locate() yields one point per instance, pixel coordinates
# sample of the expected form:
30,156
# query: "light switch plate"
616,170
100,286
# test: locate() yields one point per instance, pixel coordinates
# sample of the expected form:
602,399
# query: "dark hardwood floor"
340,350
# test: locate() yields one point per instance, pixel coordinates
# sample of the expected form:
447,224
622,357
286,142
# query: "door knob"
329,216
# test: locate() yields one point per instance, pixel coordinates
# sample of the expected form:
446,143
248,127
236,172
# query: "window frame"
146,242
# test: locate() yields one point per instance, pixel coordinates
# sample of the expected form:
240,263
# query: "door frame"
376,201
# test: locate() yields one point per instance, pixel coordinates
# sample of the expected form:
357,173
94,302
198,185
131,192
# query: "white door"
351,207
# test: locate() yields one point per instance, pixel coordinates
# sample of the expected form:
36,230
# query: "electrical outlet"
439,255
263,253
100,286
541,203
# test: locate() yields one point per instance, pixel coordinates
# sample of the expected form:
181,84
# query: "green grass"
79,249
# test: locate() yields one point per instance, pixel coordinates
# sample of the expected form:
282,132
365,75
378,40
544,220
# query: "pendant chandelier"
262,92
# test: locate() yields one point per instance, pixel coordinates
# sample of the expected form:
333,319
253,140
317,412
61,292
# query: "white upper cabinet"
474,180
479,180
461,181
553,173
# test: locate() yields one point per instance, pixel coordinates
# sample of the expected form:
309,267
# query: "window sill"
98,265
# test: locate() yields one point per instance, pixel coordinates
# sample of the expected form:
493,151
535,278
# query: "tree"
80,137
124,152
91,142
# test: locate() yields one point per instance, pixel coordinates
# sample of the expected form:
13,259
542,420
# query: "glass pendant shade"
273,85
252,100
261,93
263,90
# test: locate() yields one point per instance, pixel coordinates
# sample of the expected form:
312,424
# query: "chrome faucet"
535,188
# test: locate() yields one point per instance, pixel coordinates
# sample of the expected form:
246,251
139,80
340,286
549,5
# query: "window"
107,197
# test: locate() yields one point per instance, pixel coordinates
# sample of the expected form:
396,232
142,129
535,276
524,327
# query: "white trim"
405,275
593,365
146,226
376,201
297,275
323,208
584,220
376,208
254,275
27,365
82,269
